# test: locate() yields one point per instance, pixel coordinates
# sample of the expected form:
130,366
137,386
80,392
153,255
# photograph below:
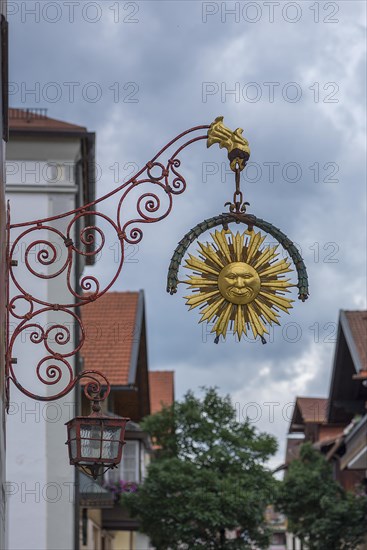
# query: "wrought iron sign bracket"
27,240
160,181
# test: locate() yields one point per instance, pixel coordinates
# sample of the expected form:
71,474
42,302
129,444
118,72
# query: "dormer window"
130,467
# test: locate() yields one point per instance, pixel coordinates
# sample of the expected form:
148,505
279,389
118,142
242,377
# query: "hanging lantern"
95,442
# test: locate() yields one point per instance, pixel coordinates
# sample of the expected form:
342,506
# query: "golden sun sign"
238,283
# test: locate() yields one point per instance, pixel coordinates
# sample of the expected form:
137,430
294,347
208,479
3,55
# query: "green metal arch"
251,221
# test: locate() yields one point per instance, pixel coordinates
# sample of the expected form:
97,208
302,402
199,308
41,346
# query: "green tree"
320,512
208,478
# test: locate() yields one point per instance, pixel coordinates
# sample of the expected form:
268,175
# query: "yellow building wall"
123,540
95,515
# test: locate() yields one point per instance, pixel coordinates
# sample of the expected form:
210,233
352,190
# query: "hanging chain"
238,206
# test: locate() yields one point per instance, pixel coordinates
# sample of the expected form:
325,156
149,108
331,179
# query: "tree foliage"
320,512
208,478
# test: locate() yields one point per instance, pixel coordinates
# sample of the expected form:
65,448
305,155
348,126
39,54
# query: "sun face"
238,283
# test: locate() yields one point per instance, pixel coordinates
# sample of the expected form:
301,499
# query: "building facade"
50,170
3,139
337,425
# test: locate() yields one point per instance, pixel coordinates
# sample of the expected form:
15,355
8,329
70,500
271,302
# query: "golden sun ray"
239,282
210,254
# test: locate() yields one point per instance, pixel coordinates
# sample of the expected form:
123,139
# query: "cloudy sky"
292,74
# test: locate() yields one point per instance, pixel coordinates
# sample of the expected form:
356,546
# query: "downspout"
84,171
78,359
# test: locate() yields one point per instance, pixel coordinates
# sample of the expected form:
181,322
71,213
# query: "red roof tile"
24,120
111,332
357,321
161,388
313,409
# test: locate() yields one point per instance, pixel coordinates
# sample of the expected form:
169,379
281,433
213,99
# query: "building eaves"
352,344
136,341
34,120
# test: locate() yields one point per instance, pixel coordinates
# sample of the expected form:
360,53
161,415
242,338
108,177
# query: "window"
130,462
278,539
129,468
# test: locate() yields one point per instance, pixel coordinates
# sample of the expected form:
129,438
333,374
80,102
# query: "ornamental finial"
236,145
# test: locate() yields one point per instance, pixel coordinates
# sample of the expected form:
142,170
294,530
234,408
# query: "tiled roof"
29,120
112,335
357,321
161,388
313,409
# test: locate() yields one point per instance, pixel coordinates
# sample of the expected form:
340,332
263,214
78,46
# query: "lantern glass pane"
111,440
90,441
73,447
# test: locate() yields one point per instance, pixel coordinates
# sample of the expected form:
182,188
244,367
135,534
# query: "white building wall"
3,510
40,479
294,543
